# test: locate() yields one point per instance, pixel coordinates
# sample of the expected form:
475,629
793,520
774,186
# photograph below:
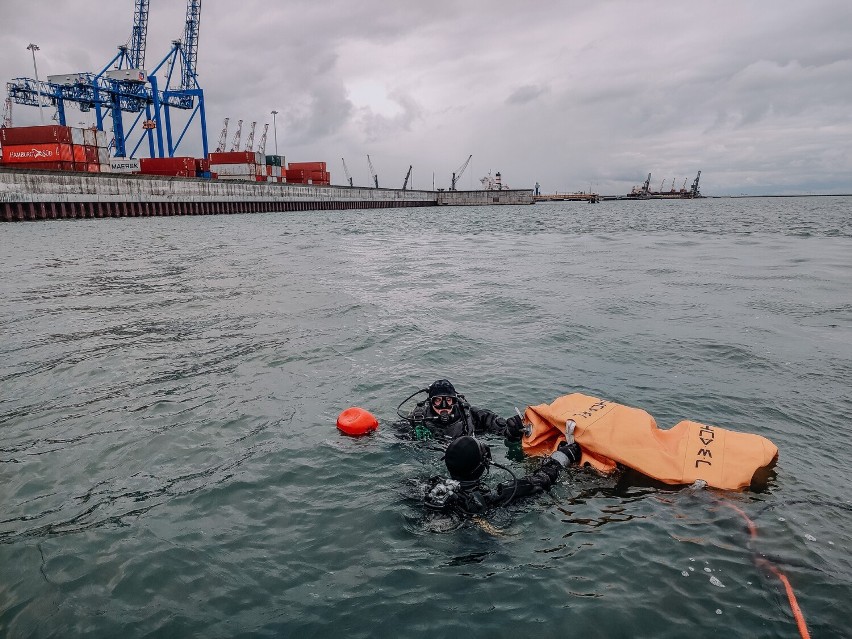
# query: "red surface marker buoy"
356,421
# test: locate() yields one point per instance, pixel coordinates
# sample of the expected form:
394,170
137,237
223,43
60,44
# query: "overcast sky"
575,95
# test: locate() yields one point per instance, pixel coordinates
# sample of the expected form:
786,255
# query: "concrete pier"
40,195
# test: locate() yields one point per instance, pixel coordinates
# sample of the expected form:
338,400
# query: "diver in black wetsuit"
468,461
446,414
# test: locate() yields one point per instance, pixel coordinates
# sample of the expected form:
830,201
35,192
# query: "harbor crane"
235,145
223,136
407,175
124,86
346,171
459,172
250,140
694,188
6,122
372,171
261,146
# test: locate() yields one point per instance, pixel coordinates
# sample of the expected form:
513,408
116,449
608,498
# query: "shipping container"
275,160
46,166
37,153
89,137
168,166
101,139
79,154
93,167
307,166
52,134
77,137
234,157
103,155
234,169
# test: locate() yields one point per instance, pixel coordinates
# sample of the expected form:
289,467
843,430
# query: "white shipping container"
124,165
103,155
259,158
276,171
89,138
105,168
101,139
77,137
234,169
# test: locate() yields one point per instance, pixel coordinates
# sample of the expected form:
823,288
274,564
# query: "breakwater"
37,195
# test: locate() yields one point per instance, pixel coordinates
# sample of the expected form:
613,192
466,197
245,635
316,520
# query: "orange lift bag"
610,433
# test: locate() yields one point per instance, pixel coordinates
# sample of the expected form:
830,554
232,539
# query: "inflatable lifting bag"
610,433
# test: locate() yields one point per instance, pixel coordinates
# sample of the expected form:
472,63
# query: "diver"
469,460
446,414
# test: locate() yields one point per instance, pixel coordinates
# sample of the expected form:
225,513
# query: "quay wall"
34,195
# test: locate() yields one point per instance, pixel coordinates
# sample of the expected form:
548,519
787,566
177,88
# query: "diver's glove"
515,428
567,454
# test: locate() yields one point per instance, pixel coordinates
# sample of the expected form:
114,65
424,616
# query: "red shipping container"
167,166
91,155
234,157
46,166
37,153
307,166
202,165
93,167
52,134
79,153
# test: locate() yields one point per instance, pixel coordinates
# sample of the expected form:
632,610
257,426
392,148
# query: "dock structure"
592,198
40,195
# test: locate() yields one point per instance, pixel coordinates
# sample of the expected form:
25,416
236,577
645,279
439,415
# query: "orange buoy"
356,421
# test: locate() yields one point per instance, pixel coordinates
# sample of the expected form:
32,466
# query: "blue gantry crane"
123,86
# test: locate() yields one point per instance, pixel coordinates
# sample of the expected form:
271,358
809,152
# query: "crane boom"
7,115
373,172
407,175
346,171
223,137
139,36
250,140
459,172
261,146
235,146
190,44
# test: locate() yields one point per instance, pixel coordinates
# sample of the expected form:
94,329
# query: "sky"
575,96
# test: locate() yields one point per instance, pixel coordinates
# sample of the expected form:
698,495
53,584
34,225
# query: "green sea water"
170,467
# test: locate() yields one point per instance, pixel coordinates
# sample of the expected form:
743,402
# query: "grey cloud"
526,93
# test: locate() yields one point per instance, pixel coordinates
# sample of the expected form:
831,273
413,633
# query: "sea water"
169,463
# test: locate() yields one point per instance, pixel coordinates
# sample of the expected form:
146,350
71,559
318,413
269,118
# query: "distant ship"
644,192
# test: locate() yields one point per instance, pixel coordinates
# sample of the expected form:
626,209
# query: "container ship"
644,192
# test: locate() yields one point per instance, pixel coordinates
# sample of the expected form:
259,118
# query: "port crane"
261,146
459,172
223,136
407,175
373,172
6,123
124,86
346,171
694,188
235,145
250,140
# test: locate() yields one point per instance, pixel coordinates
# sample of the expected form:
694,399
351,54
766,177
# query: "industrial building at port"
58,171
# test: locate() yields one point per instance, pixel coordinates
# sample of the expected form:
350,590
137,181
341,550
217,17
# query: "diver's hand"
515,428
